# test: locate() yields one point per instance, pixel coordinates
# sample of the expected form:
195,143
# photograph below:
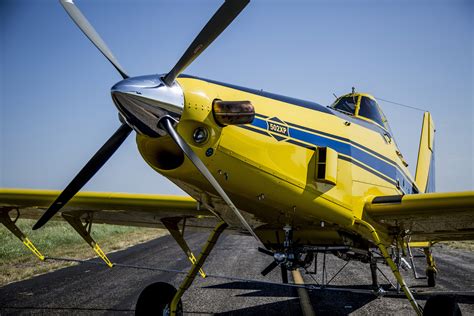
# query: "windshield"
347,104
369,109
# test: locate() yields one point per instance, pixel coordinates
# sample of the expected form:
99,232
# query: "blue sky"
55,103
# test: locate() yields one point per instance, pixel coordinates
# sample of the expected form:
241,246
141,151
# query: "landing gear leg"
162,298
188,280
373,271
431,270
375,282
393,266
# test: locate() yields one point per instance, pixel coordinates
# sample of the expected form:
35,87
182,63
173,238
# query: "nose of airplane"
143,100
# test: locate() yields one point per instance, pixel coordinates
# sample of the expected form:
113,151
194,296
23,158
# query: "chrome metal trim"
143,100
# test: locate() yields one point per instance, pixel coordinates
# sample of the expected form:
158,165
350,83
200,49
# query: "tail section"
425,167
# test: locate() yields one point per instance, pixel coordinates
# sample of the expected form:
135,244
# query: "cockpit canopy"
363,106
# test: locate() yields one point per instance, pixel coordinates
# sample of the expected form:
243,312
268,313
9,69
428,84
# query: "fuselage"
270,168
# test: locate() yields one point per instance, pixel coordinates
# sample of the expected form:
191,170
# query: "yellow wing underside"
427,217
145,210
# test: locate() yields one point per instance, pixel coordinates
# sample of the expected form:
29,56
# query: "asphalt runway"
88,289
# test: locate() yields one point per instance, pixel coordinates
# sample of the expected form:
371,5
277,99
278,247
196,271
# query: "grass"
59,239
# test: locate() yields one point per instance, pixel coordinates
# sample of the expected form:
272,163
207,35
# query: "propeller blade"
86,173
90,32
167,124
284,274
269,268
228,11
265,251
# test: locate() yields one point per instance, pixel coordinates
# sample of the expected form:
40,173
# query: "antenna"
401,104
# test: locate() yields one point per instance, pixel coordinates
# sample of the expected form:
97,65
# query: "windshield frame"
356,105
385,126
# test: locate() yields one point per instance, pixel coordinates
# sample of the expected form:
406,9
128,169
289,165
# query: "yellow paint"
326,165
425,151
102,255
13,228
281,171
419,205
420,244
33,249
272,180
193,260
26,198
376,239
271,176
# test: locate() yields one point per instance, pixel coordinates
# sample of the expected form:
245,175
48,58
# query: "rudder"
425,167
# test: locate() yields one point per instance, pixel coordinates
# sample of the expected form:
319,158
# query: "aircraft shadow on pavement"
330,302
460,298
287,307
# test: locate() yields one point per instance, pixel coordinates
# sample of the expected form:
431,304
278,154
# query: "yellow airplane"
300,177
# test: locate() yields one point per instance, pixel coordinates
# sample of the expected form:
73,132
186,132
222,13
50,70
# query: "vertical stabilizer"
425,167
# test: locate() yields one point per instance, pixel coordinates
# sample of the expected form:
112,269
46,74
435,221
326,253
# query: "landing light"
233,112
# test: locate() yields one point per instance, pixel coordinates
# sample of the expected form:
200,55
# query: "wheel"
431,274
441,305
155,300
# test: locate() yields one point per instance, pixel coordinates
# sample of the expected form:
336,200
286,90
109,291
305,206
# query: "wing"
144,210
427,217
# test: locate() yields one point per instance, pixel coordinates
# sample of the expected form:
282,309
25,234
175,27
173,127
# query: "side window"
347,105
369,109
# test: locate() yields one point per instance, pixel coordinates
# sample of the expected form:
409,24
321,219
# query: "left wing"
146,210
427,217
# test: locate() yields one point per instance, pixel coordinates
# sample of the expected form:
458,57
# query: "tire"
441,305
155,300
431,274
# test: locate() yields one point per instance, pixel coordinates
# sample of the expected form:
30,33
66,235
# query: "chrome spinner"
143,100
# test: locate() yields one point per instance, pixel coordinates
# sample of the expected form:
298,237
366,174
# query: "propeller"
216,25
269,268
86,173
273,265
90,32
228,11
284,274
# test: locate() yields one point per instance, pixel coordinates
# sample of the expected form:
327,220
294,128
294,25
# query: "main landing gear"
162,298
155,299
441,305
378,290
392,265
431,270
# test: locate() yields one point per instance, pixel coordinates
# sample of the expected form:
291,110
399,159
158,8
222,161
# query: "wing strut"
84,231
188,280
172,225
11,226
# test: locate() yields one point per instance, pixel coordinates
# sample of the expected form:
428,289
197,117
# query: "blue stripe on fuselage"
379,162
388,170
